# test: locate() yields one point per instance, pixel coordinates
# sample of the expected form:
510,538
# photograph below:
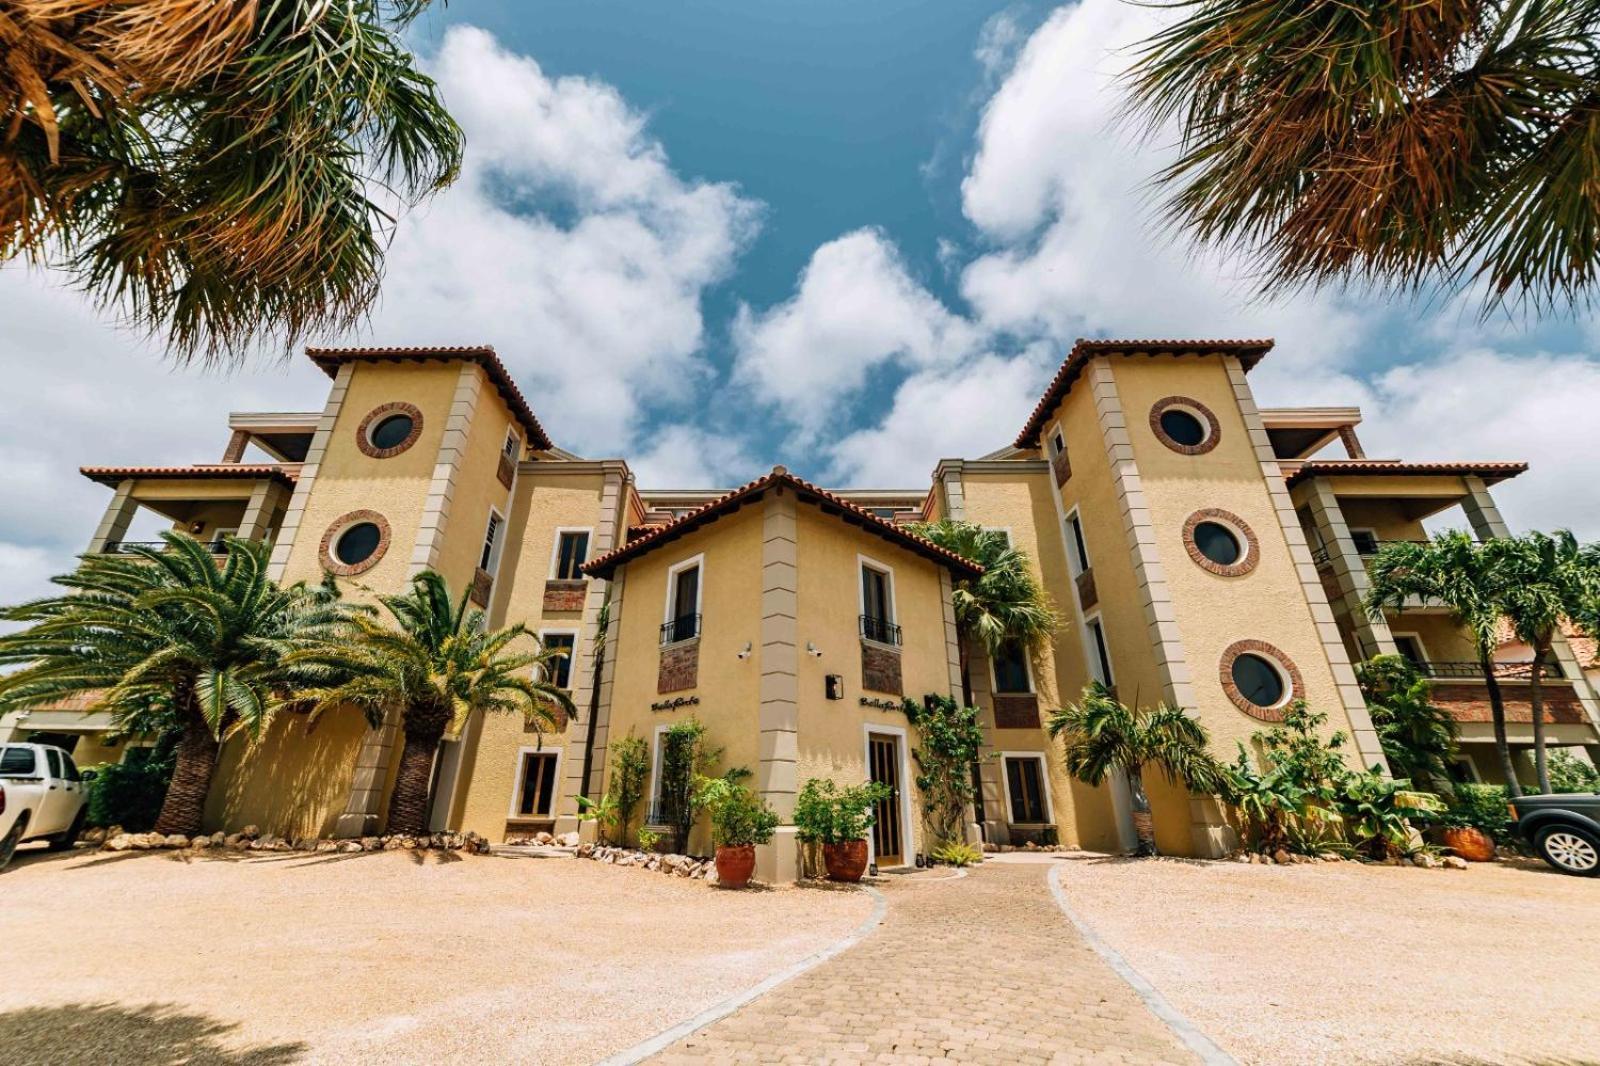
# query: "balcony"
1366,549
1469,670
879,630
680,629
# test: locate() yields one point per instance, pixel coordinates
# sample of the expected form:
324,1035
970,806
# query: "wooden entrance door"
884,758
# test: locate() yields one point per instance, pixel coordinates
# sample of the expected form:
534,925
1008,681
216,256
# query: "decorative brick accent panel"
880,669
1062,467
680,667
1297,686
377,414
236,446
482,585
1016,711
507,470
565,595
1251,548
1470,703
1088,595
1213,427
332,565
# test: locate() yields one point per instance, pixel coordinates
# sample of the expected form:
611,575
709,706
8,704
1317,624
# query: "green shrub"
128,794
1569,774
951,739
957,854
1481,807
630,764
648,839
738,816
824,813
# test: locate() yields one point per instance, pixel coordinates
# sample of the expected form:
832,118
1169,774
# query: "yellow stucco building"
1198,549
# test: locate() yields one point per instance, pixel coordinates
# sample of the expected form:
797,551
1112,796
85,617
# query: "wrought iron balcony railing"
686,627
1469,670
879,629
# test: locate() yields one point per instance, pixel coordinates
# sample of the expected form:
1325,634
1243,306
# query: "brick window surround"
565,595
1251,548
1016,710
1261,648
376,415
1195,407
331,563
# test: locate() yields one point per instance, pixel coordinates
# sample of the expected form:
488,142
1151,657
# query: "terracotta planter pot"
735,865
1470,843
847,861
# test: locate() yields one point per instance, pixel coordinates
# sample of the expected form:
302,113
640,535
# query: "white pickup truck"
42,797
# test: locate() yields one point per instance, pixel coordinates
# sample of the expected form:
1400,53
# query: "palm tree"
437,664
1006,604
169,632
1101,735
217,170
1403,143
1418,737
1458,573
1544,579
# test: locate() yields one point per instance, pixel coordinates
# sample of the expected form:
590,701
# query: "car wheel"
8,846
1570,849
63,841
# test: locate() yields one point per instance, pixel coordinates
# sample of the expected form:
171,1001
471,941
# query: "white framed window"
1077,546
1027,788
876,601
657,814
569,552
1411,647
493,541
1058,441
1100,663
533,794
559,671
1366,540
680,618
1010,671
512,449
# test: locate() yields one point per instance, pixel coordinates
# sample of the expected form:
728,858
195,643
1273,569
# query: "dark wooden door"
884,756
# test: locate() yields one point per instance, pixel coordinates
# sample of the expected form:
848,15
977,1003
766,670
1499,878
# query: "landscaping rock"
250,832
1454,862
176,840
1426,861
120,842
568,840
585,850
350,847
1282,857
371,844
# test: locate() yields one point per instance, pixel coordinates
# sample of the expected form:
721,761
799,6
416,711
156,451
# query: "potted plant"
739,821
838,819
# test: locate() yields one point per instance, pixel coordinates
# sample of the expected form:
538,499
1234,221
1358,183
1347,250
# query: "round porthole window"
1259,679
355,542
389,430
392,431
1185,425
1221,542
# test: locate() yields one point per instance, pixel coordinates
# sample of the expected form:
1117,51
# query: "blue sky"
852,238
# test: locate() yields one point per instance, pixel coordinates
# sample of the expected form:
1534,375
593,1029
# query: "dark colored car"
1564,829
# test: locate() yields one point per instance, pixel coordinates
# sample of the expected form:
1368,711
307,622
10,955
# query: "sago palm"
1457,573
162,632
216,168
1402,143
1102,735
1544,579
433,661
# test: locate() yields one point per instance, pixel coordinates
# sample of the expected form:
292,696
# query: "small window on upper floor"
572,549
1366,541
513,445
683,605
1411,648
559,670
1058,443
491,544
1011,674
1077,550
1101,664
877,605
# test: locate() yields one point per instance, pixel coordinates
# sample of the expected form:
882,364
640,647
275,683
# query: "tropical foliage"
1102,735
216,170
1570,774
434,662
956,855
164,635
1418,738
949,738
130,793
1377,812
1406,144
686,762
826,813
630,768
739,817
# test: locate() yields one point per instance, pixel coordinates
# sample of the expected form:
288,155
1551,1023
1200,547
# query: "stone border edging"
717,1011
1182,1027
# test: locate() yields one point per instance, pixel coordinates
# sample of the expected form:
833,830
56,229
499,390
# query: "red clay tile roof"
482,354
1585,647
605,565
1490,472
110,475
1248,351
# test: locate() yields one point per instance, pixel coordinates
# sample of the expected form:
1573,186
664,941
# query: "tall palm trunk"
408,806
1144,826
1536,701
1497,710
196,760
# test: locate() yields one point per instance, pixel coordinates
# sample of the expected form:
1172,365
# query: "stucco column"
118,516
363,810
1349,570
264,500
452,447
777,774
283,544
955,500
1481,511
991,785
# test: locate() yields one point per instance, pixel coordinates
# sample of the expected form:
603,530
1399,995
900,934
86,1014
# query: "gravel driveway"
380,957
1352,964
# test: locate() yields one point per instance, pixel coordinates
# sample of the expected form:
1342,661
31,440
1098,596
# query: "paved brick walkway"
984,969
